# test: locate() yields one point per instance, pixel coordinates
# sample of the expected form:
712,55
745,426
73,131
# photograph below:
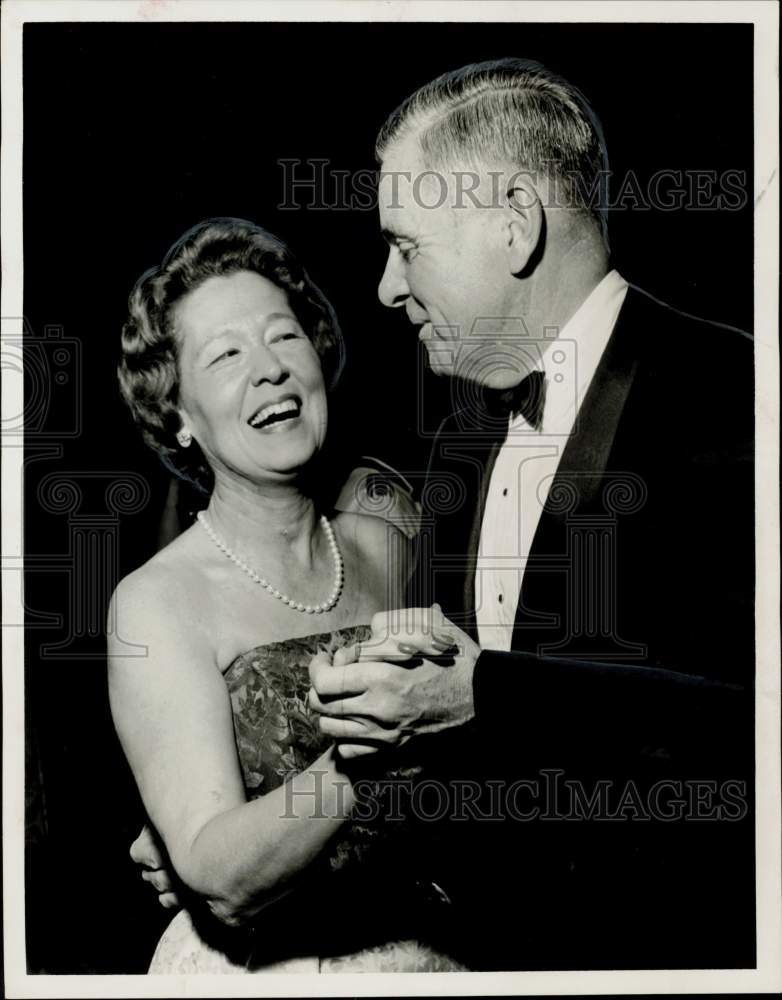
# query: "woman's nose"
392,290
266,366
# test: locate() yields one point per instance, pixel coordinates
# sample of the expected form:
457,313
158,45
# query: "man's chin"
441,362
448,362
503,381
496,380
442,371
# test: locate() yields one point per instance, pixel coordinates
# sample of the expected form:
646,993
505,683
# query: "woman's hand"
148,852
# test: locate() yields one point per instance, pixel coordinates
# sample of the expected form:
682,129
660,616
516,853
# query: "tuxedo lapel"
586,455
581,475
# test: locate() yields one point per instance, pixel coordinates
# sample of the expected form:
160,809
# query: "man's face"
447,266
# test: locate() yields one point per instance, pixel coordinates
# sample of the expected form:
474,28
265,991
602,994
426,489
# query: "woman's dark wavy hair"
149,368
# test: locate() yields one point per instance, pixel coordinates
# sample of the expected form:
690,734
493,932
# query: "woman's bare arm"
173,715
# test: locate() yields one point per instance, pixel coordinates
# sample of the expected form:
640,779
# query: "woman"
226,357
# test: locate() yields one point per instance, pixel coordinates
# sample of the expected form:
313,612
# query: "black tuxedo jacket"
632,663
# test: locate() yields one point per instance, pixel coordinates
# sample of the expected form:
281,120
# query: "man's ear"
524,218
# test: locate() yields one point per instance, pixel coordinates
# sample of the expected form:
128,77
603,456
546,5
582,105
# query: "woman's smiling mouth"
276,413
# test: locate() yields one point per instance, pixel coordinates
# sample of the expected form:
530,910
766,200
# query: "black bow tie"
526,399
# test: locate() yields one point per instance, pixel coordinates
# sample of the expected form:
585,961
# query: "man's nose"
392,290
266,366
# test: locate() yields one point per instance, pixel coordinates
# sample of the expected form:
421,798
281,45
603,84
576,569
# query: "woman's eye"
229,353
286,335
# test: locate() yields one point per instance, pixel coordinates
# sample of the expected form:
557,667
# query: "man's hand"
413,676
147,851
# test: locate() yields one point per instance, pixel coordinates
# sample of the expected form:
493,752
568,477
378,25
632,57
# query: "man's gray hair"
510,111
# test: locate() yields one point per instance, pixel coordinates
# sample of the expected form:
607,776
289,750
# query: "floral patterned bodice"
277,735
276,732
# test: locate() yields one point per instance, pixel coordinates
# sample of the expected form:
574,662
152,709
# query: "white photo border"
767,977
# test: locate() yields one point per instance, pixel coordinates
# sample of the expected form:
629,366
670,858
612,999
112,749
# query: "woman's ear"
524,215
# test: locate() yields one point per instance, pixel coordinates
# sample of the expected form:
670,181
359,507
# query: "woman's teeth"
273,412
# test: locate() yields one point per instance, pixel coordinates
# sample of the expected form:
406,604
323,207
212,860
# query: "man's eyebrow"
391,237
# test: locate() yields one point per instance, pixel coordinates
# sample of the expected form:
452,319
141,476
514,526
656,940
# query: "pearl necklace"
318,609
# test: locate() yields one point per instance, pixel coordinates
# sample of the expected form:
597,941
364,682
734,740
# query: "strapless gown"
277,735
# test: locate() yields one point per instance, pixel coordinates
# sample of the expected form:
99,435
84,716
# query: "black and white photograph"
390,498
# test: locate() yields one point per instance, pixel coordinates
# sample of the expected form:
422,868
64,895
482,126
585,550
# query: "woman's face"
251,384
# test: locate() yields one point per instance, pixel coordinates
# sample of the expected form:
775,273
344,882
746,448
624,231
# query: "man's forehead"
410,190
403,154
401,169
409,195
396,205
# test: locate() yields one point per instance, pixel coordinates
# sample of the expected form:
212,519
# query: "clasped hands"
412,676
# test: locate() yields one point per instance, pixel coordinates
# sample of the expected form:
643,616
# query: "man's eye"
406,250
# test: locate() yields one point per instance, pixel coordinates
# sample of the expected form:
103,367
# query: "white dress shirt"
528,460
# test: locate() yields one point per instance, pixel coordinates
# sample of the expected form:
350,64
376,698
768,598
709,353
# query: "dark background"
132,133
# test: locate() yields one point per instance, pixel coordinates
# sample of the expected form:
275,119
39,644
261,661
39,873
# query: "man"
587,534
599,592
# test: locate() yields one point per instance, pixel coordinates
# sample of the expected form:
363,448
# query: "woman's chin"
292,461
270,459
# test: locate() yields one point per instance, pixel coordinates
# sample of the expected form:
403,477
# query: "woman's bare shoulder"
168,587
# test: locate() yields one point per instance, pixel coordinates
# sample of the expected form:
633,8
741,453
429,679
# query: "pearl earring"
184,437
